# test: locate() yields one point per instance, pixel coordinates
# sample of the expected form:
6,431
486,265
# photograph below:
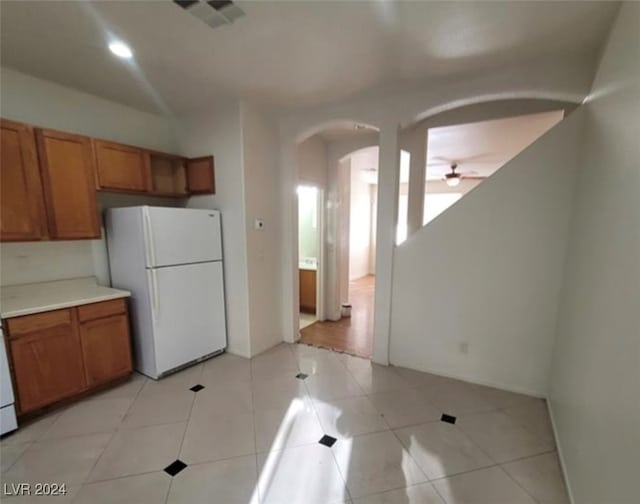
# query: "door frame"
321,208
320,269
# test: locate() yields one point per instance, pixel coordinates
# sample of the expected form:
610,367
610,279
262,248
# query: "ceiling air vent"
213,12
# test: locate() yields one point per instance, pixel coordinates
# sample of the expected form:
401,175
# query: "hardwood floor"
353,335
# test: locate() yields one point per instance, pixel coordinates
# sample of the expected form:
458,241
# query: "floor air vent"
213,12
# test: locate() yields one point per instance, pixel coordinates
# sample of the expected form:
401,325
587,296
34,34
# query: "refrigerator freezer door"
188,313
177,236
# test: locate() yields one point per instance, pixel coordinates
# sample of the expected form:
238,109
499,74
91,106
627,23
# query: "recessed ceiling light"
121,50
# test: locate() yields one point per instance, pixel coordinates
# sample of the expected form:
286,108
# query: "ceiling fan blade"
476,157
473,177
443,159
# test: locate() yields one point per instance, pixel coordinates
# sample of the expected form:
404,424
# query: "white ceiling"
479,148
345,130
286,53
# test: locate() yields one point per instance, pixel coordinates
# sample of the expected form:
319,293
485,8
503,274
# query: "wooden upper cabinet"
67,168
201,175
168,175
121,167
22,212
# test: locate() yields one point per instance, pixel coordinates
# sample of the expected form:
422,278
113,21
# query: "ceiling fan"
453,178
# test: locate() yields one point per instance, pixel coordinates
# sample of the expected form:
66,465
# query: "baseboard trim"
487,383
563,465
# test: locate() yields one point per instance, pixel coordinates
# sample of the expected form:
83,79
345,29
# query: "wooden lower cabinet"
307,291
55,356
47,361
105,349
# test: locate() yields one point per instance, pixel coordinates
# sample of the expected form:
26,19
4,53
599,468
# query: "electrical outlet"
463,347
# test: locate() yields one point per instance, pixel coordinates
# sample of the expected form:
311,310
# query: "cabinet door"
22,214
47,358
201,177
121,167
308,291
106,348
67,166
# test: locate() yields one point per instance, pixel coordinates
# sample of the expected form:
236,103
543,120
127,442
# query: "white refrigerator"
170,259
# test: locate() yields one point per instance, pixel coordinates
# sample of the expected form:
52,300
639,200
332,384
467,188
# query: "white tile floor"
251,436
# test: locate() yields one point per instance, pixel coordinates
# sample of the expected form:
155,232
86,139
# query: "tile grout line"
58,416
113,434
29,445
184,433
495,463
297,360
406,450
256,490
333,455
435,489
517,483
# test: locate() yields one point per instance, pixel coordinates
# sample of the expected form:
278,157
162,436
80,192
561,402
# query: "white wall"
220,131
42,103
338,225
308,222
244,141
569,82
595,378
30,262
374,217
311,157
359,225
262,199
488,272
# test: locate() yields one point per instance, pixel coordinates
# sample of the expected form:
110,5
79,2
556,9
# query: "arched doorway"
324,242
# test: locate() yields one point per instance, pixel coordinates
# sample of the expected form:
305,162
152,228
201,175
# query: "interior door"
188,313
182,236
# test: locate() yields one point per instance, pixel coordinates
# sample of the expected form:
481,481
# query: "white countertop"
309,263
18,300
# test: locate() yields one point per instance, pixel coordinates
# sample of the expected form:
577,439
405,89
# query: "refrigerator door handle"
148,232
154,293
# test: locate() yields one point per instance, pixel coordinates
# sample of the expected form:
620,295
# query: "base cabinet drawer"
47,366
105,348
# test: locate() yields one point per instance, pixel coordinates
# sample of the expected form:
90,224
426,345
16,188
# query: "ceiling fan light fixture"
452,179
